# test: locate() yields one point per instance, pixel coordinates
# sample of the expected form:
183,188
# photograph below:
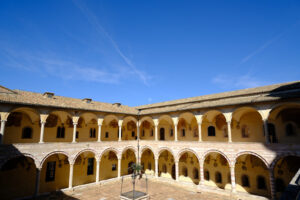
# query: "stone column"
74,132
272,184
232,175
156,167
175,121
42,132
120,130
138,130
177,170
2,131
155,121
202,172
265,112
229,131
97,170
266,130
199,122
119,167
100,121
37,182
71,176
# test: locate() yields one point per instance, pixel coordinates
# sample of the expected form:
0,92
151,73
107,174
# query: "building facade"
243,143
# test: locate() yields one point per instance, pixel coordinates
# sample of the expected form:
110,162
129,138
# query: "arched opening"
17,178
165,128
108,165
214,127
166,159
284,170
216,168
148,162
247,125
147,128
252,175
84,168
129,128
22,126
187,127
128,158
110,128
189,167
55,173
286,124
87,127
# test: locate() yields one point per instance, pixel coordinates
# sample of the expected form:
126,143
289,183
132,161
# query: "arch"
182,151
107,117
162,149
28,111
109,149
215,151
247,108
280,156
185,114
87,118
146,118
144,148
129,118
251,153
53,153
82,151
210,114
36,161
168,118
132,148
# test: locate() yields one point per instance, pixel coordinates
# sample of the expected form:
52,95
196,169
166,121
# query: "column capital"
228,116
120,122
43,118
264,113
156,122
175,120
75,119
4,116
100,121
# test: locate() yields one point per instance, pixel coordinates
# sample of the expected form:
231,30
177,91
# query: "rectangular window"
106,134
113,167
183,132
143,132
171,132
60,132
77,134
50,171
92,133
152,132
90,167
132,134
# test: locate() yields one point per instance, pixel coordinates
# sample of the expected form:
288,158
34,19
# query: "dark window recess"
279,185
106,134
272,133
113,167
184,171
152,132
196,173
90,167
143,132
289,130
211,131
77,134
171,132
92,133
261,183
218,177
60,132
245,181
183,132
206,175
132,134
27,133
149,166
50,171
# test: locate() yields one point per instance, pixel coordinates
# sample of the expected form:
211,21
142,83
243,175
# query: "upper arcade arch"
148,160
146,128
165,128
129,128
110,128
187,127
128,159
189,166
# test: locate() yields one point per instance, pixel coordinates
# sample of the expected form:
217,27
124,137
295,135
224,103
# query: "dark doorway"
173,172
272,133
162,134
130,170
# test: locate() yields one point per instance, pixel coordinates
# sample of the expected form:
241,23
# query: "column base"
41,142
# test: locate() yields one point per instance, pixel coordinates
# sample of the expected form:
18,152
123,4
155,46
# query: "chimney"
48,94
87,100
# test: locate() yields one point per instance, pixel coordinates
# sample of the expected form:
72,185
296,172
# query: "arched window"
279,185
164,168
184,171
245,181
218,177
245,131
289,130
272,133
27,133
261,183
196,173
211,131
206,175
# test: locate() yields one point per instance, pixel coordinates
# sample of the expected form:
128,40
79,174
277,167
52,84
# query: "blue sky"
140,52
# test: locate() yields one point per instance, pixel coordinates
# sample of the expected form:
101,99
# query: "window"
77,134
164,168
196,173
261,183
279,185
183,132
143,132
27,133
151,132
245,131
106,134
206,175
90,166
60,132
245,181
132,134
171,132
149,166
92,133
289,130
184,171
113,167
50,171
218,177
211,131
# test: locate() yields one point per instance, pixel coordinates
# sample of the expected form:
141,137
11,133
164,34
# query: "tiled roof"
252,95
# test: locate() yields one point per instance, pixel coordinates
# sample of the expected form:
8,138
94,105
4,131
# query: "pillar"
265,112
138,130
232,176
266,130
119,167
99,133
156,134
156,167
199,131
97,170
74,132
37,182
272,184
199,122
177,170
42,131
201,172
175,121
229,131
2,131
71,176
120,130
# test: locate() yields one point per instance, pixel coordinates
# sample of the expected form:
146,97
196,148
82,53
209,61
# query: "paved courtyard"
111,191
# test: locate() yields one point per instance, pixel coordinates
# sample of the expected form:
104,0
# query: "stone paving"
156,190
